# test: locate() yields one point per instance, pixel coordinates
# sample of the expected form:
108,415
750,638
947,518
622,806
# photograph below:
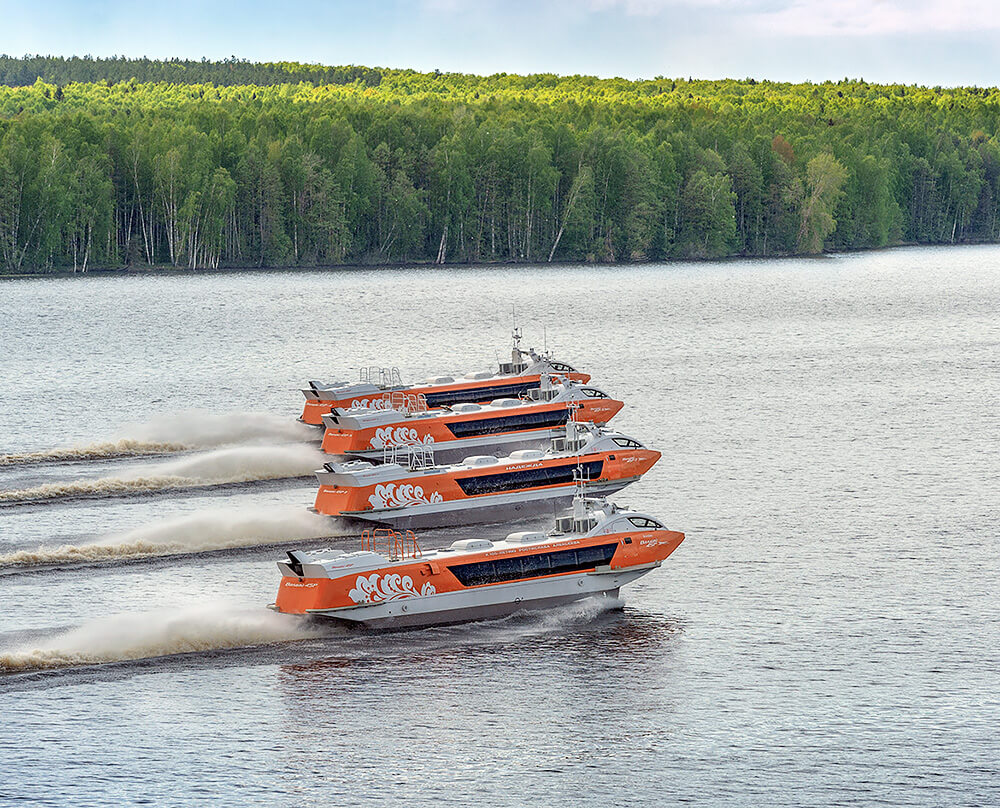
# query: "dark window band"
509,423
527,478
533,566
475,394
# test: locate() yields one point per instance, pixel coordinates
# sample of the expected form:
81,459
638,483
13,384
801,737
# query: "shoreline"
160,269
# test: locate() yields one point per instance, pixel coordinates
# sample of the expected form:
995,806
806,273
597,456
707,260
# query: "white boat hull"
490,508
457,450
485,602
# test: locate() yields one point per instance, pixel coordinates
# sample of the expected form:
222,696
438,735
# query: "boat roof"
598,439
589,517
538,364
362,417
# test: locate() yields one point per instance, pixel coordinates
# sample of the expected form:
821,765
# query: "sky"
930,42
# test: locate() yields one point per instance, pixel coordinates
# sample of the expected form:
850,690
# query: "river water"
828,633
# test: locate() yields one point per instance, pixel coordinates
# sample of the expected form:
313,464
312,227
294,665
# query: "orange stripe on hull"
314,410
426,489
435,430
302,595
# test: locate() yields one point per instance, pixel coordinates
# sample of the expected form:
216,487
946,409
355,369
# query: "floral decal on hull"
370,404
397,436
377,588
391,495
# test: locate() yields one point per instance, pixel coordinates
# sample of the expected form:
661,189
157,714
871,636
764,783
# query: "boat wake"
218,467
553,620
201,532
126,447
176,432
125,637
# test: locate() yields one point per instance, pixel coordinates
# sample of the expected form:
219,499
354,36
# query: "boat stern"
314,410
300,595
366,431
328,582
337,500
305,584
320,400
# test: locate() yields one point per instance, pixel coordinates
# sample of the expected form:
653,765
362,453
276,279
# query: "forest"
113,163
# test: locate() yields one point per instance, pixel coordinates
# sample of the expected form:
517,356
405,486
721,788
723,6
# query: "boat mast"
515,354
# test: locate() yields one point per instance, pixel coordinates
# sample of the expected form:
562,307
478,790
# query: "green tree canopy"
118,162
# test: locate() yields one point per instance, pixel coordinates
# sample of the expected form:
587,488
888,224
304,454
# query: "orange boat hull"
439,576
436,395
442,430
479,486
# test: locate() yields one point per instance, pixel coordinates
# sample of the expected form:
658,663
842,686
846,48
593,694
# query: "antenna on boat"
575,445
515,354
580,495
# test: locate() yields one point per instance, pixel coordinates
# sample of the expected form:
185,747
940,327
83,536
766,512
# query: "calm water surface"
828,634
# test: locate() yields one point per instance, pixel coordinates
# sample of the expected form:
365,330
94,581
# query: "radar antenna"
516,352
575,444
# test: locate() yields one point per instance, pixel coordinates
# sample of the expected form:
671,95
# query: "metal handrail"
383,377
393,544
412,455
409,403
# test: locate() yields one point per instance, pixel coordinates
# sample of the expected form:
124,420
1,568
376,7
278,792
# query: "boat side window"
627,443
592,555
590,392
533,566
505,569
561,366
527,478
492,424
643,522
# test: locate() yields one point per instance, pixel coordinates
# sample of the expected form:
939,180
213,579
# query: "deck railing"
383,377
413,456
409,403
394,544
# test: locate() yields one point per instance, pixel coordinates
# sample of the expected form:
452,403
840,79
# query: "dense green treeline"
23,72
394,165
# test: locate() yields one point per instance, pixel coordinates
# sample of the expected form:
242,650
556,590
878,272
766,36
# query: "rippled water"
828,634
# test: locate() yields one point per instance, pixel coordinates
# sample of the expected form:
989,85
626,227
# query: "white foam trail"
580,611
204,531
177,432
218,467
123,637
545,621
200,429
126,447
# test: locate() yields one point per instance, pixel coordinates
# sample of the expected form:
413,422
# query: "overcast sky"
912,41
